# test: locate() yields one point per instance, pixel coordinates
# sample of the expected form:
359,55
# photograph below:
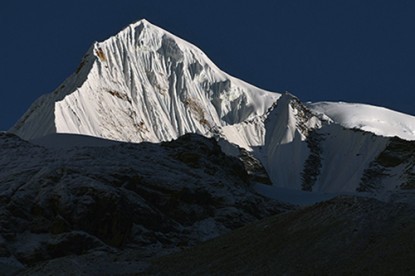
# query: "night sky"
353,51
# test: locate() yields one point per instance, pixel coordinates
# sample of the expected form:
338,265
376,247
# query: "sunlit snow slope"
378,120
144,84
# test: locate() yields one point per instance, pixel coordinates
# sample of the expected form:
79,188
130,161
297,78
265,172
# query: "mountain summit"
144,84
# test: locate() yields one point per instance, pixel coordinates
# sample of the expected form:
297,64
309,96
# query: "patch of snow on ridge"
378,120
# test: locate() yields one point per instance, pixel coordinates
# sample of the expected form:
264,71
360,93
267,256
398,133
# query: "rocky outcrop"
398,156
162,196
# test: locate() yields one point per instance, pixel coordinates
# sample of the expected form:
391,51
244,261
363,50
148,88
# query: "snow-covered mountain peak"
142,21
144,84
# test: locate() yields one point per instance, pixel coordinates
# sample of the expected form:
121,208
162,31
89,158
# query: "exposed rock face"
71,201
398,156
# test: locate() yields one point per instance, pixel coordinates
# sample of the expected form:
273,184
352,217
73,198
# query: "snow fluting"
144,84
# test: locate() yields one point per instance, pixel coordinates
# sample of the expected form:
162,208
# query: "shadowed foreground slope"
346,235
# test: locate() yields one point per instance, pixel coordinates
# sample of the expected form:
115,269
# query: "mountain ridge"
306,150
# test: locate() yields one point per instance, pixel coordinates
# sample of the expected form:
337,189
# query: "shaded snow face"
144,84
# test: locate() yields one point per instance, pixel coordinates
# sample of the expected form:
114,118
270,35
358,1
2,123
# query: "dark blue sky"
354,50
